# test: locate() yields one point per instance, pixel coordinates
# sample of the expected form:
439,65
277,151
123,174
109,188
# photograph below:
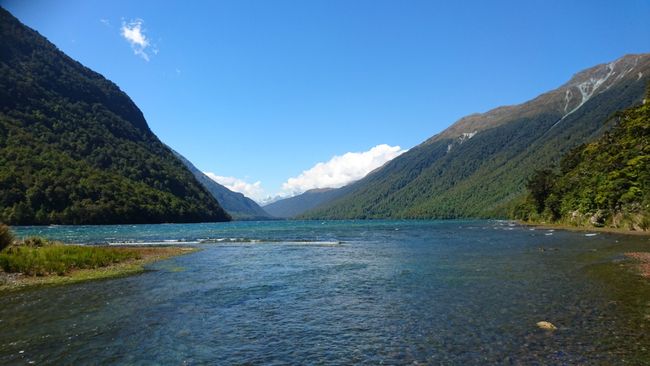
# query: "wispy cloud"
341,169
105,22
251,190
134,33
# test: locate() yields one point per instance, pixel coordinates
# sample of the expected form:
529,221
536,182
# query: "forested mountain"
479,165
297,205
74,149
603,183
236,204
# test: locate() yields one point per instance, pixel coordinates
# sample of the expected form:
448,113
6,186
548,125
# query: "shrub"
36,242
6,236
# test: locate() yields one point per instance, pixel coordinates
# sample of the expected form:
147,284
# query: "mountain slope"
74,149
603,183
297,205
236,204
477,166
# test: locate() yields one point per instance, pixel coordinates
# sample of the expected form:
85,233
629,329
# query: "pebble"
546,325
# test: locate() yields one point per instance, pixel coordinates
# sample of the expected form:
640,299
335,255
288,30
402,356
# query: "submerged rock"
546,325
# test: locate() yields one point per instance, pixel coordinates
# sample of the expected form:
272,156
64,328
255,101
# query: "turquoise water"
345,292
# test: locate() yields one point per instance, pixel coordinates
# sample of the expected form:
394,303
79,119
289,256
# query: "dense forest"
478,167
603,183
74,149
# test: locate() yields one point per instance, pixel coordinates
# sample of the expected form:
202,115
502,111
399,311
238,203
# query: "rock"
598,219
546,325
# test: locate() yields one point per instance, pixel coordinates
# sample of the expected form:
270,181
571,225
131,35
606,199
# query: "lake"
341,292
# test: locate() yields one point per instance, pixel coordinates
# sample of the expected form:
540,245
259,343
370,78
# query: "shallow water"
345,292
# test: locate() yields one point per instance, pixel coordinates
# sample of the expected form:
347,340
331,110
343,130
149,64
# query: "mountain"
478,166
297,205
236,204
75,149
603,183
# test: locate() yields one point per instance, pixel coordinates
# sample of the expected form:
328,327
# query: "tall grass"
60,259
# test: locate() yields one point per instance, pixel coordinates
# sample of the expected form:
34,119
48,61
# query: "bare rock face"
598,219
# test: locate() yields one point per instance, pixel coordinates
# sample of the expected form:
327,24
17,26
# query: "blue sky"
260,91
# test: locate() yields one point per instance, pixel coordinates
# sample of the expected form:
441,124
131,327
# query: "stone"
546,325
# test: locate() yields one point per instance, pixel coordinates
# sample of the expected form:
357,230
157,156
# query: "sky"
272,98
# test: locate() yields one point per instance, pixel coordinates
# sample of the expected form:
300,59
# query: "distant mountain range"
478,166
75,149
236,204
297,205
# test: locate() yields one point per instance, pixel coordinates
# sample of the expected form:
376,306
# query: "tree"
540,186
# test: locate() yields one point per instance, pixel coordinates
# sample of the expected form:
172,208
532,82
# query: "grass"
61,259
38,262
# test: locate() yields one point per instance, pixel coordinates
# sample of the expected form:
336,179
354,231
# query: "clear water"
346,292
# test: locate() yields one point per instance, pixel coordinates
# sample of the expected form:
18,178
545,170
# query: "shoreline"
641,261
604,230
13,282
638,259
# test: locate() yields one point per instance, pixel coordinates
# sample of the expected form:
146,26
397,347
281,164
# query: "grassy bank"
25,267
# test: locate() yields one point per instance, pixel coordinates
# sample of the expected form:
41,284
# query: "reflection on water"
349,292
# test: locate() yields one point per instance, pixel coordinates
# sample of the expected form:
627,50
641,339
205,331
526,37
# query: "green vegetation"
37,256
6,236
482,176
603,183
37,261
60,259
74,149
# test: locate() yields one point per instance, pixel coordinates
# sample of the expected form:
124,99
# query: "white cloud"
341,169
134,34
250,190
337,172
106,22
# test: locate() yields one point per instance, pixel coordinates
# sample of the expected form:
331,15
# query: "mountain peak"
477,167
563,101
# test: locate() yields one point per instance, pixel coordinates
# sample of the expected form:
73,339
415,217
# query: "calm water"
381,292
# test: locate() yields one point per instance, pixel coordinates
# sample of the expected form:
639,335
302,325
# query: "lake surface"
345,292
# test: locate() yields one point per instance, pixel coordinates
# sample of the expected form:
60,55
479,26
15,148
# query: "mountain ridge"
299,204
75,149
476,167
580,81
236,204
